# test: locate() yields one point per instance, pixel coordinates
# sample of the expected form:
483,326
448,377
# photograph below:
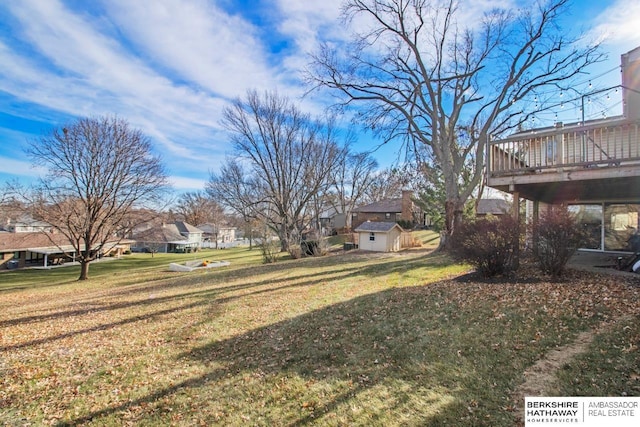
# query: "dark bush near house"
490,244
406,224
310,247
556,237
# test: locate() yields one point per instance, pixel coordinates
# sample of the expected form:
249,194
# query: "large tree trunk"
284,239
84,270
453,219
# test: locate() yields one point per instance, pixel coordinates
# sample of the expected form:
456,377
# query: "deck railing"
608,143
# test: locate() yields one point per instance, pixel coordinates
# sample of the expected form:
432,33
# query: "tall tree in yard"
283,160
98,170
350,180
445,79
196,207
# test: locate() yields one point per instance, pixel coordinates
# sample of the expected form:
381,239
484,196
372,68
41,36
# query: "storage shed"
379,236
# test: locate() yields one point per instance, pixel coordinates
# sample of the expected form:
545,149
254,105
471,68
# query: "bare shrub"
490,244
269,247
557,236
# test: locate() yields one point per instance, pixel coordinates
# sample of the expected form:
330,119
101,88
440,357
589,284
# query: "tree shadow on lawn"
14,280
420,359
94,305
206,280
203,297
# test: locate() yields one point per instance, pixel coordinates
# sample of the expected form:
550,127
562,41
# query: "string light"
545,109
582,82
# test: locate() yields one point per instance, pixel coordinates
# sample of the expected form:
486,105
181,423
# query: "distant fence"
408,241
226,245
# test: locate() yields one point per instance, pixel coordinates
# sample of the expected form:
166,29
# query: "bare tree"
99,169
446,86
388,184
11,206
283,159
350,180
196,207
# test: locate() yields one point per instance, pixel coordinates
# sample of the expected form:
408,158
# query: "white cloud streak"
92,75
169,66
617,25
198,41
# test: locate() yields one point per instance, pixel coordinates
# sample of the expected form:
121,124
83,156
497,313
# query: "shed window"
372,236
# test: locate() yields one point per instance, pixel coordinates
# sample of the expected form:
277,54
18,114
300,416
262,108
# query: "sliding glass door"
620,225
590,219
609,226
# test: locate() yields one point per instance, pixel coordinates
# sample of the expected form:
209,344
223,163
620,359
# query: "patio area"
600,262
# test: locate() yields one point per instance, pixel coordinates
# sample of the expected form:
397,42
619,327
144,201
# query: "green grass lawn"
348,339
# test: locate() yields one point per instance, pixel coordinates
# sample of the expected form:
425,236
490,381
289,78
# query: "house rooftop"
374,226
37,241
13,242
383,206
165,233
185,227
493,206
175,232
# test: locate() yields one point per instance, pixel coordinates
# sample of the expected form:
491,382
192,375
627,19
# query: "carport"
52,251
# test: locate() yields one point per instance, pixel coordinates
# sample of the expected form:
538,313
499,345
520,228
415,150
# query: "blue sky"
170,66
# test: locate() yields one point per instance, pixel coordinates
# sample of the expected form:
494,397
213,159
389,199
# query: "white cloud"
167,66
182,184
198,41
304,21
618,25
19,167
92,74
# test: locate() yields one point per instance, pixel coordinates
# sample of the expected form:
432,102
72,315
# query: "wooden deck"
596,161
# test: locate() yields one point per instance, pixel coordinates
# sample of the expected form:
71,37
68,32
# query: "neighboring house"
492,207
178,236
26,224
379,236
39,249
212,235
332,220
389,210
593,167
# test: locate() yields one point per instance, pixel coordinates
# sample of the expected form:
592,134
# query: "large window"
590,219
620,223
609,226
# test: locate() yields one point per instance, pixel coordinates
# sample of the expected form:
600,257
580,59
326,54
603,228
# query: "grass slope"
349,339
